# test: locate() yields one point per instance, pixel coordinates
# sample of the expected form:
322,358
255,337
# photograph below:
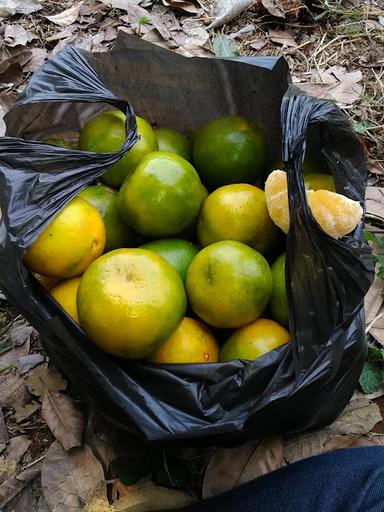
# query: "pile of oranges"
177,255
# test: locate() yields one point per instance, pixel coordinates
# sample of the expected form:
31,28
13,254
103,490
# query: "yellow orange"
74,238
65,294
192,342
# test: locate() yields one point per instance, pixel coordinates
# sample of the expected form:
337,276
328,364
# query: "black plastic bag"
303,384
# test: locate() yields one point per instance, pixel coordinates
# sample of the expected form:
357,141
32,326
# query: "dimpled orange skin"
254,340
65,294
228,284
192,342
237,212
129,301
336,214
74,238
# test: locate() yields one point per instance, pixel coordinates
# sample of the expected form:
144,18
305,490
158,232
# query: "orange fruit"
47,282
237,212
192,342
279,302
74,238
254,340
229,150
105,133
129,301
56,141
65,294
104,199
173,141
336,214
162,197
228,284
319,181
179,253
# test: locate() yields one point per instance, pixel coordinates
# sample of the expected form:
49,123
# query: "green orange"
104,199
178,252
228,284
65,294
192,342
254,340
173,141
105,133
237,212
56,141
279,302
129,301
319,181
162,197
228,150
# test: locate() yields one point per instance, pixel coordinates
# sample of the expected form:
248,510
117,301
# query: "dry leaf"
11,358
182,4
359,417
3,429
44,379
63,418
67,17
20,331
98,505
15,35
14,485
69,480
305,445
274,7
374,200
13,392
282,37
258,44
374,299
8,468
3,126
28,362
10,7
23,412
38,56
98,436
147,496
226,10
124,5
230,467
17,446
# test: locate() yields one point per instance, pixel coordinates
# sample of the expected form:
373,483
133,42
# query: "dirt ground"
53,449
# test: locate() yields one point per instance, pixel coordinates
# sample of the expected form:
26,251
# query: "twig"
373,322
34,462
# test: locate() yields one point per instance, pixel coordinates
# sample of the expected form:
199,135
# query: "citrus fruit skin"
279,302
192,342
254,340
47,282
229,150
179,253
336,214
53,141
74,238
228,284
173,141
65,294
129,301
319,181
237,212
104,199
105,133
162,197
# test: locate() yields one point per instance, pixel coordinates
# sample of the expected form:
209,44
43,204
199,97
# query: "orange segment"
336,214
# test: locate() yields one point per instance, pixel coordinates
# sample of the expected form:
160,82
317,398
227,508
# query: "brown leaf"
376,168
359,417
282,37
305,445
274,7
98,436
13,391
226,10
14,485
44,379
38,56
63,418
17,446
28,362
258,44
3,429
124,5
15,35
67,17
70,479
11,358
8,468
11,7
374,200
11,73
23,412
182,4
147,496
98,505
373,300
